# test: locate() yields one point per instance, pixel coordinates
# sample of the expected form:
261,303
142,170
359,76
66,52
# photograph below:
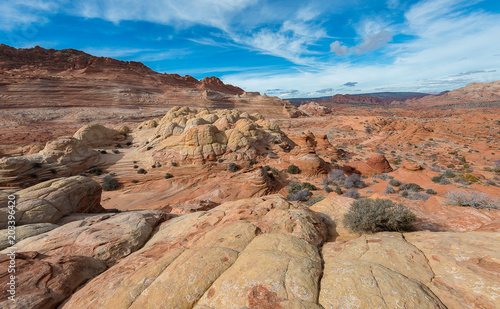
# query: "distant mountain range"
380,98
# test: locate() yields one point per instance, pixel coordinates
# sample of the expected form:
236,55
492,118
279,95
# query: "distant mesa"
38,77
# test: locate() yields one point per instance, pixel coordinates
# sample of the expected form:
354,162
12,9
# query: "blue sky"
286,48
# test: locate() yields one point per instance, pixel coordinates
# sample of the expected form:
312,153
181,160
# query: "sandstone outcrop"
332,210
106,237
305,157
49,201
25,231
97,135
411,166
375,165
191,135
66,156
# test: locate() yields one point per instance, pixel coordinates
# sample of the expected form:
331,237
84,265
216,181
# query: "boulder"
411,166
49,201
97,135
63,157
375,165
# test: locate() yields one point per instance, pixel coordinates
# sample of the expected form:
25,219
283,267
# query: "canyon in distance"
139,189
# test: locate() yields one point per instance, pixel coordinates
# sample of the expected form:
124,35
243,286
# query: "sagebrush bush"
394,182
411,187
352,193
294,187
476,199
337,176
418,196
437,179
293,169
95,170
430,191
109,183
315,200
301,195
354,181
389,190
377,215
309,186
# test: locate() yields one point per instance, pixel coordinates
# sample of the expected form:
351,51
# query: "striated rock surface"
49,201
411,166
25,231
185,257
42,281
66,156
107,238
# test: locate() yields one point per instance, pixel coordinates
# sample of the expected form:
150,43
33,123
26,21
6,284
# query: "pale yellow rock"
98,135
333,208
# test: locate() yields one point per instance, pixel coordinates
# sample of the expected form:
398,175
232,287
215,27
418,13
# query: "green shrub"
275,171
294,187
430,191
338,190
95,170
309,186
394,182
267,168
468,178
136,166
134,181
411,187
141,171
437,179
315,200
149,148
378,215
253,161
104,152
293,169
232,167
109,183
168,176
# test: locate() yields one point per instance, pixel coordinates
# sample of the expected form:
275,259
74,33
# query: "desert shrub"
53,171
294,187
377,215
352,193
267,168
354,181
301,195
233,167
168,176
411,187
337,176
135,162
118,145
430,191
134,181
444,181
394,182
153,166
315,200
476,199
496,168
437,179
174,164
293,169
418,196
149,148
275,171
327,189
396,161
109,183
468,178
103,152
449,174
383,176
271,155
490,182
136,166
389,190
95,170
338,190
309,186
115,151
129,143
249,166
253,161
36,165
460,180
404,193
141,171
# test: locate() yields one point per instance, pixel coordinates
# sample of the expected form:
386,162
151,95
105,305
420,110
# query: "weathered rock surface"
411,166
332,210
25,231
42,281
96,135
107,238
183,259
191,135
66,156
375,165
49,201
